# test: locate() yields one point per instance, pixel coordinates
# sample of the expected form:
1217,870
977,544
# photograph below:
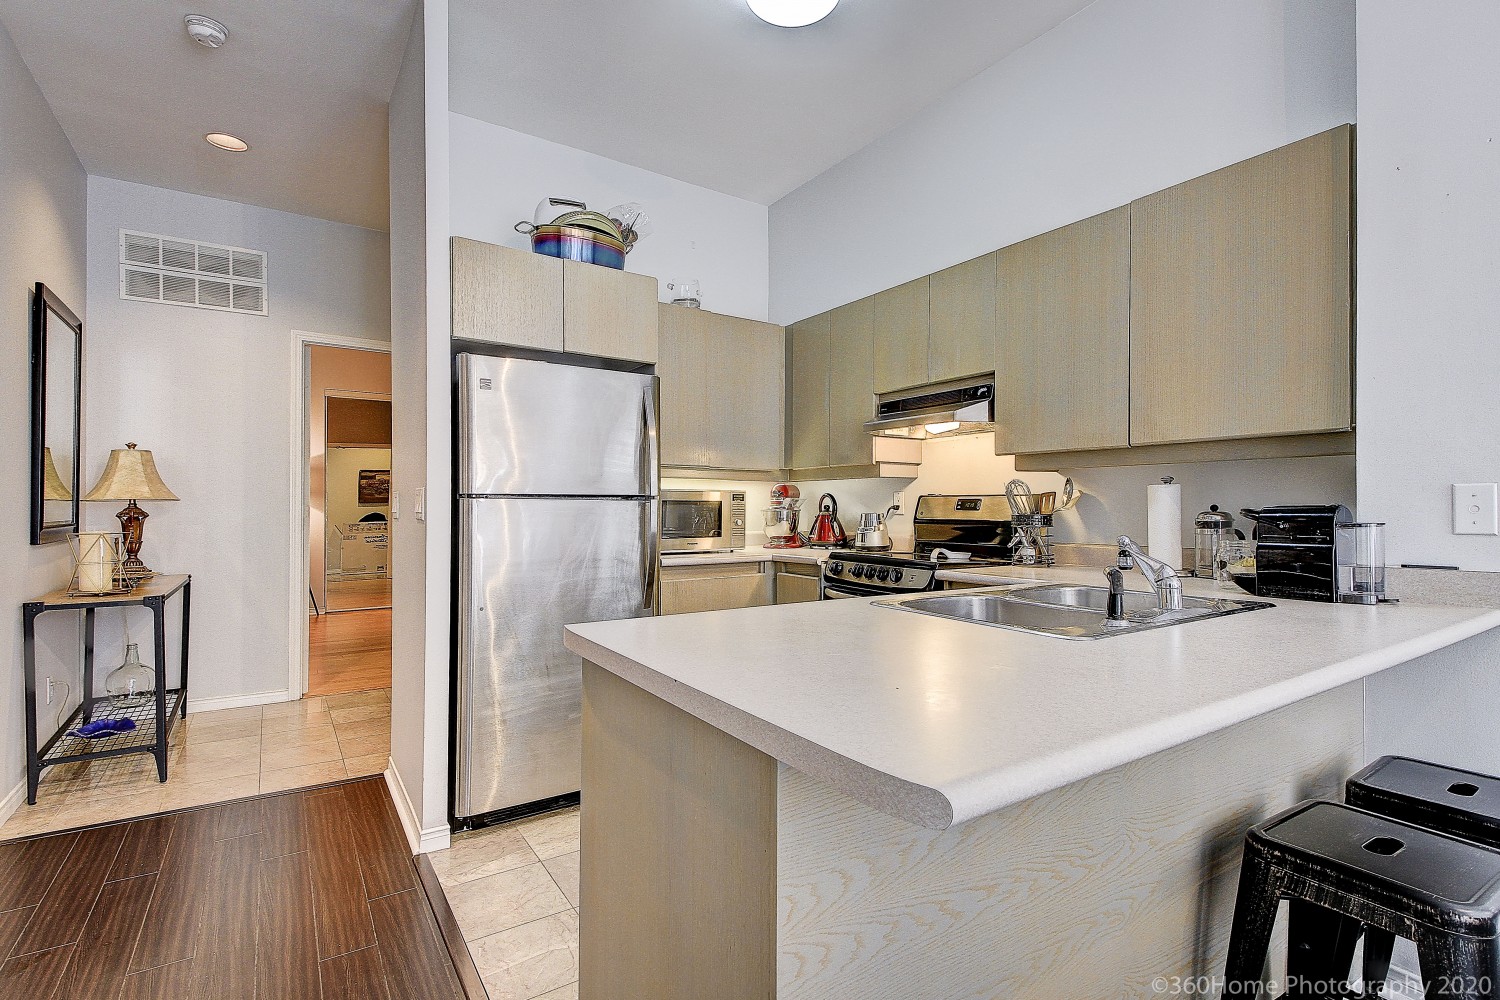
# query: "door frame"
300,452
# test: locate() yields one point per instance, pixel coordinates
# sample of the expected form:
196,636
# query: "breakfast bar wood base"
709,869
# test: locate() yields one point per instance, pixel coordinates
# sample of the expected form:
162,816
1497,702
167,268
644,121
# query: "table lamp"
53,488
131,475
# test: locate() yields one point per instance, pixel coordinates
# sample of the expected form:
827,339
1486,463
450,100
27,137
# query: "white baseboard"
196,705
437,838
12,801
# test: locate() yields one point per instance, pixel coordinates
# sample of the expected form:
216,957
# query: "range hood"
950,409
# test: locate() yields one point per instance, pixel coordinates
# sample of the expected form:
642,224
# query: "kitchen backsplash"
1114,500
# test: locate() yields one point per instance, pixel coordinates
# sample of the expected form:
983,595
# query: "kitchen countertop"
752,553
937,721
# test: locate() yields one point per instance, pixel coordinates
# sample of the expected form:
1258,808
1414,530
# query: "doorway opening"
348,504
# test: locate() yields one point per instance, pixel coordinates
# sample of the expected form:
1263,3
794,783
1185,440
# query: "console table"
153,720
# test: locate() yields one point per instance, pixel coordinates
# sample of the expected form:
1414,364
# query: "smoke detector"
205,31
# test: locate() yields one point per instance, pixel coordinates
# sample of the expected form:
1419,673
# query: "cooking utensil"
572,243
1019,496
634,223
1046,503
1070,494
549,209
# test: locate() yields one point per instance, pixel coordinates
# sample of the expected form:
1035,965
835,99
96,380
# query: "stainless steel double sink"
1065,611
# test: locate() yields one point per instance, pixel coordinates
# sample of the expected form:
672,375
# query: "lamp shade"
130,475
53,488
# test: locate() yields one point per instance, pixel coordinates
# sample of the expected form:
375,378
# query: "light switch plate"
395,506
419,506
1475,509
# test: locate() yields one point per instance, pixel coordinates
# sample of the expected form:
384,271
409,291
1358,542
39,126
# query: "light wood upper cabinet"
900,335
681,366
961,335
1240,320
505,296
1062,349
807,416
851,385
746,394
722,391
609,313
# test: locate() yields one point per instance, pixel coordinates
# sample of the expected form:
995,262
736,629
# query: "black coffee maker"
1296,550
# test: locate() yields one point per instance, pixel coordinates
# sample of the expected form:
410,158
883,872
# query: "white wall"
210,394
499,175
1429,271
43,198
1125,98
421,429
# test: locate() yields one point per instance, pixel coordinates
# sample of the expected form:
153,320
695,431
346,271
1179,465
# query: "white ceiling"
305,82
703,91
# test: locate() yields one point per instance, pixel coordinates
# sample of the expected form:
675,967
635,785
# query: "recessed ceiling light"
224,140
792,13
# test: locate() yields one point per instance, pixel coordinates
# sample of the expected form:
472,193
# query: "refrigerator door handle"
652,550
649,419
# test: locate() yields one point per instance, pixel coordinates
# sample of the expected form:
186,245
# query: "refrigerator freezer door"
532,428
529,567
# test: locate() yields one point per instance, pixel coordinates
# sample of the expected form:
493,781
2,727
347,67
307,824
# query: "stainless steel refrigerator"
558,483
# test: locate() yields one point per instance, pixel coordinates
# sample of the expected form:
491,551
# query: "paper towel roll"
1164,522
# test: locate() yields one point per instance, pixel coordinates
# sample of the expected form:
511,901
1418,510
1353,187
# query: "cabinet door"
794,586
686,589
901,336
961,338
683,347
1240,319
608,313
746,394
505,296
808,414
1062,347
851,392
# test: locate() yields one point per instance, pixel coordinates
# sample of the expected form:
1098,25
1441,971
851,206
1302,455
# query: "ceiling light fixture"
205,31
792,13
224,140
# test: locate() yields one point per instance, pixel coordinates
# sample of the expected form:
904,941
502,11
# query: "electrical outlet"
49,690
1475,509
898,501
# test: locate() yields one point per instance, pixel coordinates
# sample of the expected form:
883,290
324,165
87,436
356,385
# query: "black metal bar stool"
1349,868
1446,799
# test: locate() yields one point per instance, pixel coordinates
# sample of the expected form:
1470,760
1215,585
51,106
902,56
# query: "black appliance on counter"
973,530
1296,550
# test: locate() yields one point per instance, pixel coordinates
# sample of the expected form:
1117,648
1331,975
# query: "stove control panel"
880,575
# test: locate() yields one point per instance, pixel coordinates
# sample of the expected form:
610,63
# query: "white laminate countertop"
750,554
937,721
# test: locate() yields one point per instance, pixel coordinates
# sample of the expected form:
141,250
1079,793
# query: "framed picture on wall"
374,487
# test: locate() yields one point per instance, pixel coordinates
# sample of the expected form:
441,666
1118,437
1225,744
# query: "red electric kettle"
826,531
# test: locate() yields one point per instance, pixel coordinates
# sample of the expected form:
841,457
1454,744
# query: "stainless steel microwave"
702,520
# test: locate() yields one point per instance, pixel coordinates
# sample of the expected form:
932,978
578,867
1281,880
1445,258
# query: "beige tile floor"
514,890
217,756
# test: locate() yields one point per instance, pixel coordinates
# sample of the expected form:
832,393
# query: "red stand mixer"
781,517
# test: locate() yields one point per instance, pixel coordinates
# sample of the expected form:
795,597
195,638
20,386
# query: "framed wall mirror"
56,388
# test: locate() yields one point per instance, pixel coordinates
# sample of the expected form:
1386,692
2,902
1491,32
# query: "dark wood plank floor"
297,896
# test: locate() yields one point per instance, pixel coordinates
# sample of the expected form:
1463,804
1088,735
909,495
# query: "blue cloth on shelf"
101,728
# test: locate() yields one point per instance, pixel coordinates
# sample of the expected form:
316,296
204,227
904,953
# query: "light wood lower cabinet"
686,589
1240,307
1062,346
797,583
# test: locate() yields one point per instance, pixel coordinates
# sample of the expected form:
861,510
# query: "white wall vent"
187,273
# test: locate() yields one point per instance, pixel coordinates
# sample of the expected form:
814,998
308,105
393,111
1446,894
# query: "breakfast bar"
850,800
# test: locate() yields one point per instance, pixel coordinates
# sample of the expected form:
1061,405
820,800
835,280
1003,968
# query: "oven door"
695,521
845,591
